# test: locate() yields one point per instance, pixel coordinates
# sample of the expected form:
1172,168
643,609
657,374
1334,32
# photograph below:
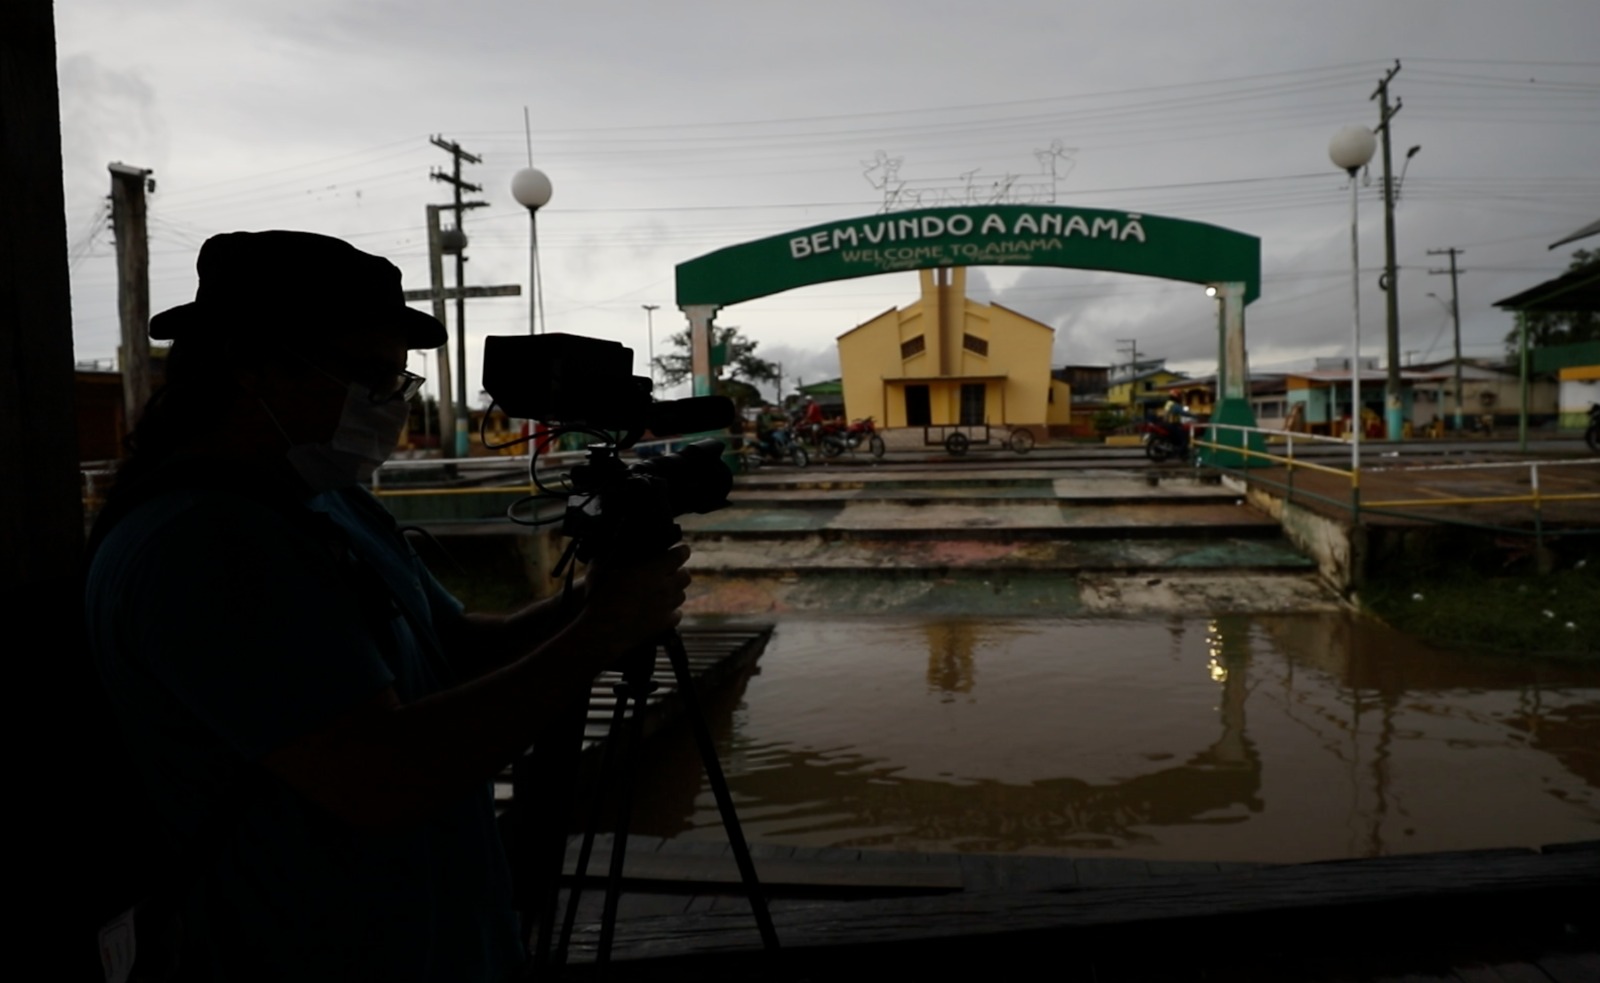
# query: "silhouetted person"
316,718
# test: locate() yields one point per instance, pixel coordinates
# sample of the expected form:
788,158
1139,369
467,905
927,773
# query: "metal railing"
95,476
549,462
1536,496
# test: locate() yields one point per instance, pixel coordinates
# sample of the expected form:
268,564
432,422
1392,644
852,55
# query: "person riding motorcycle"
1173,413
772,431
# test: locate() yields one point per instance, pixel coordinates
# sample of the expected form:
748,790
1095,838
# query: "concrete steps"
994,543
937,557
982,519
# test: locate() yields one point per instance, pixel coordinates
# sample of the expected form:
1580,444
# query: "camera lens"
692,480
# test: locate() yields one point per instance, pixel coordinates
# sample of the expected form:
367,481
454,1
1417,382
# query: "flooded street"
1249,738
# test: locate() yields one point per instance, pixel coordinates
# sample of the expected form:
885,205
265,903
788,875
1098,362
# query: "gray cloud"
672,130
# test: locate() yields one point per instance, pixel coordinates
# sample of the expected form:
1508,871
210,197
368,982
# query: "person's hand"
633,602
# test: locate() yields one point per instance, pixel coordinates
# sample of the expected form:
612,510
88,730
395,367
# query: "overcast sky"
671,129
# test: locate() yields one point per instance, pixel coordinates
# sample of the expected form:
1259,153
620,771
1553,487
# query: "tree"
1546,328
742,366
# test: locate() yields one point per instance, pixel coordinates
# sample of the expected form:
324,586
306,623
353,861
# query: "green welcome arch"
987,235
998,235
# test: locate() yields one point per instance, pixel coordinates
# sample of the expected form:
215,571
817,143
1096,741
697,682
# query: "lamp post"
1350,150
531,188
650,336
1222,352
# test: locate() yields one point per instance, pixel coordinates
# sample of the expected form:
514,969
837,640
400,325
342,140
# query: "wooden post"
41,548
133,285
38,432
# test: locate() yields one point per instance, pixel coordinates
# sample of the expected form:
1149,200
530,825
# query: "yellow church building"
947,360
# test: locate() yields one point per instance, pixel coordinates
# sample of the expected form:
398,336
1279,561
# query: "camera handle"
636,687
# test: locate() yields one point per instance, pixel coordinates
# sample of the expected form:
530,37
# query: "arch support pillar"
701,317
1233,383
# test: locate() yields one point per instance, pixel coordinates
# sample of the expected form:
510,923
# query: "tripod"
635,688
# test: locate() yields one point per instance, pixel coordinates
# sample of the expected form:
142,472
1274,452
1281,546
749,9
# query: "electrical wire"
511,512
483,431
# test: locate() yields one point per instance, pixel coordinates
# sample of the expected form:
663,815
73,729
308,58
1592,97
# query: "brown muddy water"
1277,739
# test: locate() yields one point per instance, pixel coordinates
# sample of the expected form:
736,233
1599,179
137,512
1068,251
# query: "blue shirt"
225,630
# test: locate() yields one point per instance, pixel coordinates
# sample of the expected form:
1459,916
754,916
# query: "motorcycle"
826,438
864,431
1165,441
780,447
1591,436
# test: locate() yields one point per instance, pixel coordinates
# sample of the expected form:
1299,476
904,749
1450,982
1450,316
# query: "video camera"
586,385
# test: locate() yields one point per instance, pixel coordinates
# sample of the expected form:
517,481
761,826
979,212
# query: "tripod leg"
719,788
539,829
638,685
607,761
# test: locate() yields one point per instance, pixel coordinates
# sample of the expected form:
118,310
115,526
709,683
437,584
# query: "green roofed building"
829,395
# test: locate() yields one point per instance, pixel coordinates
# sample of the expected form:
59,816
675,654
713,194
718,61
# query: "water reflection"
1268,738
950,645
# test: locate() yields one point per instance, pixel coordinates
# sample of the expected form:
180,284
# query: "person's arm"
477,643
384,762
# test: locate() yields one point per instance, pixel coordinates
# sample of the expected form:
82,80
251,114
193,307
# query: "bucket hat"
241,271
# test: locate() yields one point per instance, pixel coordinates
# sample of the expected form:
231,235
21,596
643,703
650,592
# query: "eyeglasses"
408,384
395,386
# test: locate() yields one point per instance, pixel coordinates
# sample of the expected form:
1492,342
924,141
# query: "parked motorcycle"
826,439
863,431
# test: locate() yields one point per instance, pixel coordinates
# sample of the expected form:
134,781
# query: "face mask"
365,437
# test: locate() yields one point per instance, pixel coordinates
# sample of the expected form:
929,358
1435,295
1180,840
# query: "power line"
1344,68
1504,61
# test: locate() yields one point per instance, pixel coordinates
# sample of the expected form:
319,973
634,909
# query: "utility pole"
1133,353
453,179
650,336
438,294
447,405
128,187
1391,285
1455,313
1131,345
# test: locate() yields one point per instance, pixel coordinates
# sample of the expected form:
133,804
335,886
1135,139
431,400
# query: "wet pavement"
1005,594
1274,738
1109,663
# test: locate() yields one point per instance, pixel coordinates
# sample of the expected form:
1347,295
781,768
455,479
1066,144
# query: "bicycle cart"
957,439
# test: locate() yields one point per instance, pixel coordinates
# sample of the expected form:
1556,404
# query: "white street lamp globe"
531,188
1352,147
